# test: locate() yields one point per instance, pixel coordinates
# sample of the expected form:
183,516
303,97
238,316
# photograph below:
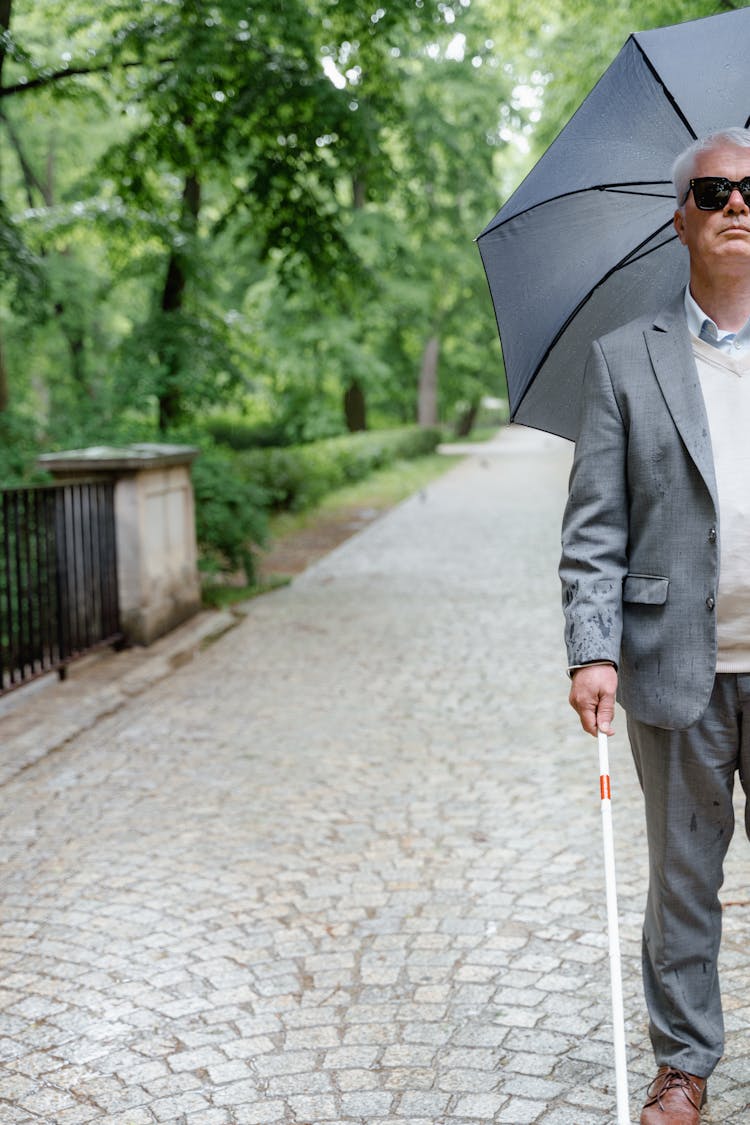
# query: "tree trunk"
355,409
31,181
355,405
427,413
465,423
4,383
74,338
170,398
5,6
72,329
359,190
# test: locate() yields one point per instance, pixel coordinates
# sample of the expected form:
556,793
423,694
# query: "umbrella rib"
628,261
615,188
629,258
667,92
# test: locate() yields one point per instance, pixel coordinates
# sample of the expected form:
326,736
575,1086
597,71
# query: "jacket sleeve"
595,524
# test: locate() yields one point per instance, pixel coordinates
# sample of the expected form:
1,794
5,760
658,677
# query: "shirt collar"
705,328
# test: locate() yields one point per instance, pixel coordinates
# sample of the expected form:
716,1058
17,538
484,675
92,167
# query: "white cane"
618,1012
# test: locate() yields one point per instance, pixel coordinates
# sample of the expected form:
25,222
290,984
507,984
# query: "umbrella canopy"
586,242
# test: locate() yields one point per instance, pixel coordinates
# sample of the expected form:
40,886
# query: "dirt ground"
295,551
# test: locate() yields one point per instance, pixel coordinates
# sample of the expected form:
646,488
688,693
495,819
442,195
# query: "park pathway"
345,865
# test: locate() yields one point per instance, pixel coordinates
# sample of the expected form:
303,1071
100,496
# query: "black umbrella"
586,242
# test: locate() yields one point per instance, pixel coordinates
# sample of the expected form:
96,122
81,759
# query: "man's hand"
592,695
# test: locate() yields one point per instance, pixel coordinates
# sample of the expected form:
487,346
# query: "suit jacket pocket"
646,589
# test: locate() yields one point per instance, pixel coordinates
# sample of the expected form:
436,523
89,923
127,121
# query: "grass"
480,433
381,490
215,596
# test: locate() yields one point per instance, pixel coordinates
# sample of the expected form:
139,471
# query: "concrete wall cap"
123,458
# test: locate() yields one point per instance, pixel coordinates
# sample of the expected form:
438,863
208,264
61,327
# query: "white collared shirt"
706,329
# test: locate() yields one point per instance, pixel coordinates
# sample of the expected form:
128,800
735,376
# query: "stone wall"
155,526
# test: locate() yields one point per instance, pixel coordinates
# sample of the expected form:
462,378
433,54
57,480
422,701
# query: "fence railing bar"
18,630
58,577
7,631
49,608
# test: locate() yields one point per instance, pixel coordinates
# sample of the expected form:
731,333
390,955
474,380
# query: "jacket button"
712,535
710,603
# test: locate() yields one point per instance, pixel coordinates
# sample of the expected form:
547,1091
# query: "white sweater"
725,382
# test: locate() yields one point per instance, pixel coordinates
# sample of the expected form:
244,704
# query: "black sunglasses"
712,193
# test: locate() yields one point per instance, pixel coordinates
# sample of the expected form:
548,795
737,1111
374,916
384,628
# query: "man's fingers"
604,724
589,721
592,696
605,713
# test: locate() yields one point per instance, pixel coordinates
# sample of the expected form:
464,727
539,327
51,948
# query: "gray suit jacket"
640,562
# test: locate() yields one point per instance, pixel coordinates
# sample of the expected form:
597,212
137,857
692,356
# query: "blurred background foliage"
261,215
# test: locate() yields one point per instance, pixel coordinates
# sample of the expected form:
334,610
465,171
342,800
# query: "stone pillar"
157,557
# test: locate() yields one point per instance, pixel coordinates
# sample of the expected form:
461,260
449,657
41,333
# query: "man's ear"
679,226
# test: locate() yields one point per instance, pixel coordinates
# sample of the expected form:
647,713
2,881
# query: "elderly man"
656,592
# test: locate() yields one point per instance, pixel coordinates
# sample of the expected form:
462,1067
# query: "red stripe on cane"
605,787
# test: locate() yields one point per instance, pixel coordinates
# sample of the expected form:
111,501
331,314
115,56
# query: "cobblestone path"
345,866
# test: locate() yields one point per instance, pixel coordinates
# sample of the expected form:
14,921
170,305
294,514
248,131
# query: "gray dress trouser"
687,777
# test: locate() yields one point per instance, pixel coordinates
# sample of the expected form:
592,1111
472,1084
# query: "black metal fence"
58,577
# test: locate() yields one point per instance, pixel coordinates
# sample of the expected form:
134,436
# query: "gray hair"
682,169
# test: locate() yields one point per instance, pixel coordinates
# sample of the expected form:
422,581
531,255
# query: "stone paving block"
12,1115
533,1088
47,1102
236,1093
406,1055
367,1105
312,1037
475,1058
368,1034
411,1078
259,1113
183,1106
423,1104
256,1025
173,1084
290,1062
483,1106
318,1107
224,1072
216,1117
199,1059
247,1048
467,1081
404,1121
357,1079
569,1115
518,1111
285,1084
433,1033
510,1017
14,1087
78,1114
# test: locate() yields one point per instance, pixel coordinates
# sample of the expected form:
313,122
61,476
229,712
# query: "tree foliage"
269,208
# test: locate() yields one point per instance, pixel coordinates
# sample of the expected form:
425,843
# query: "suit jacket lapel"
668,343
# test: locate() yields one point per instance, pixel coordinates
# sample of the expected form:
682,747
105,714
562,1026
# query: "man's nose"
736,203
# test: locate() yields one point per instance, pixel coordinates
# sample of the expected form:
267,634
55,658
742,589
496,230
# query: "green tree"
241,115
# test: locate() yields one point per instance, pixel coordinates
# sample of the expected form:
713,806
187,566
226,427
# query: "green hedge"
298,476
238,433
230,514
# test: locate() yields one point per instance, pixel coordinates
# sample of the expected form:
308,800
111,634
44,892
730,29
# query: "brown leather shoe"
674,1098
